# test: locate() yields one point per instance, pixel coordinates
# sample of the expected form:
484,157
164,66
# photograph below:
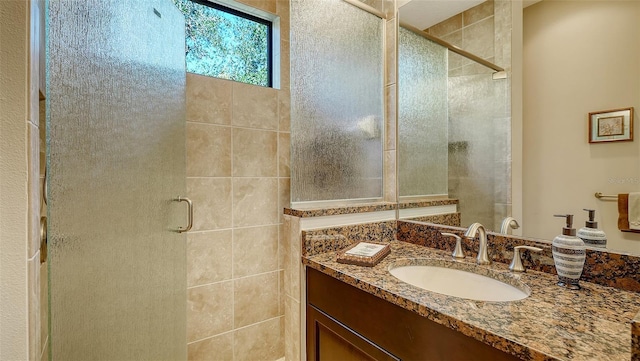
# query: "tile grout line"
278,205
233,207
232,331
239,177
44,348
210,337
237,126
232,228
234,279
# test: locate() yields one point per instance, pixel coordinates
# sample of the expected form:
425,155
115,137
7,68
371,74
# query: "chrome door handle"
190,209
43,239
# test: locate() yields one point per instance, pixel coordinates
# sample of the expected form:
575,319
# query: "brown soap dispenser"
568,255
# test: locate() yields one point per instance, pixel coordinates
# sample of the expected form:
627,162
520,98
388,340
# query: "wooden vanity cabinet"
345,323
332,340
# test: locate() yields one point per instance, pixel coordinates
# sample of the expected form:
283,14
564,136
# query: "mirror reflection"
453,115
576,59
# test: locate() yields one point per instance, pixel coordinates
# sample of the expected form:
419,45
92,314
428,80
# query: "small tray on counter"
367,254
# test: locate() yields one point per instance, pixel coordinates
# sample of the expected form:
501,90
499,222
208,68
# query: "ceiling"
425,13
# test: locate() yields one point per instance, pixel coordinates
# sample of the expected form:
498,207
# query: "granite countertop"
553,323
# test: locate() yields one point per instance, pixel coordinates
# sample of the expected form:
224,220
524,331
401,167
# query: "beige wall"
20,319
13,182
238,179
579,57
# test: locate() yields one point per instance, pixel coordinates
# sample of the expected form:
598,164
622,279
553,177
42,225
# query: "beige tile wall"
238,179
471,30
376,4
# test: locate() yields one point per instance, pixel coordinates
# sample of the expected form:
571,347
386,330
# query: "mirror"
453,113
576,60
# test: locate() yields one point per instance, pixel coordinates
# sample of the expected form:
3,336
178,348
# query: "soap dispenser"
568,255
590,234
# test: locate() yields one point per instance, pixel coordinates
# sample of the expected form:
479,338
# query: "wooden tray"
365,261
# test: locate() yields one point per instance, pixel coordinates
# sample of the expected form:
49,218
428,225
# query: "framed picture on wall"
611,126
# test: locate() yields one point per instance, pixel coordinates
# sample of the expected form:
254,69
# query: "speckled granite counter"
553,323
365,207
346,209
426,203
635,338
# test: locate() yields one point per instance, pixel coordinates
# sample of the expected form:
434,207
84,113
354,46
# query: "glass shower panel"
116,159
336,101
480,148
422,116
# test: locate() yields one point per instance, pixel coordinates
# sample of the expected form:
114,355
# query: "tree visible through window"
226,43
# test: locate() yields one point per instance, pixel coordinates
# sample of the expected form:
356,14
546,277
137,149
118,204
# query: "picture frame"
611,126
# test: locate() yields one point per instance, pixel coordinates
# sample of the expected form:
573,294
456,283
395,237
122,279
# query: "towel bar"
600,196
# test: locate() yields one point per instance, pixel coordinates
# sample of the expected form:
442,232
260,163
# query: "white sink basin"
450,279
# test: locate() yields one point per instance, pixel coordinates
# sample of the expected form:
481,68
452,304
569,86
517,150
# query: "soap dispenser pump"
568,255
590,234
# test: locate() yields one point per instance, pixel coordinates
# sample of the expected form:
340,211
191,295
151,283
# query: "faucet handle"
457,252
516,263
508,222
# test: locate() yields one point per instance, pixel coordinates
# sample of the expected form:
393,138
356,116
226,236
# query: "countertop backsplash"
610,269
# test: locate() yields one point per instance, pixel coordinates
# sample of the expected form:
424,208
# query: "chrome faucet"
507,223
483,255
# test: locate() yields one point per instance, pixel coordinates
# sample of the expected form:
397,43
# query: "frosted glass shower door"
116,160
337,102
480,148
422,116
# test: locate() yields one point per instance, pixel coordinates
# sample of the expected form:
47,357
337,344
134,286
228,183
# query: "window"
227,43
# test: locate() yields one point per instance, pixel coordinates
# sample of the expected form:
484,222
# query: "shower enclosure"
116,165
453,129
480,148
337,102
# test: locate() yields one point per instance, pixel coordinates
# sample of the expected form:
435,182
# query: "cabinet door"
397,332
329,340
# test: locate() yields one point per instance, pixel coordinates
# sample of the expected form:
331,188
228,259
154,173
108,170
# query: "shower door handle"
190,210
